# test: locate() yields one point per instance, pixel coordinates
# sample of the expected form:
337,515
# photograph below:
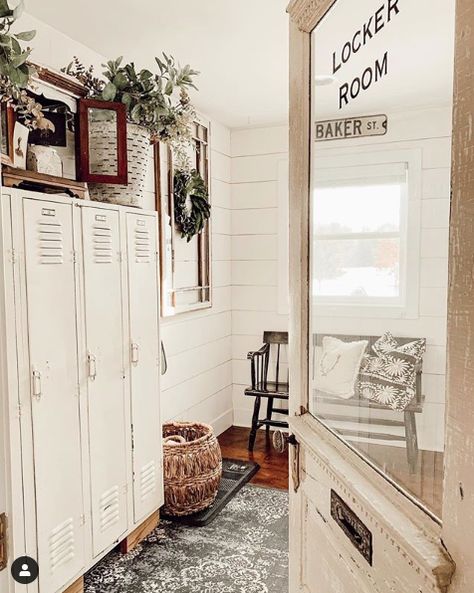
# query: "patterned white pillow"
337,366
389,378
387,344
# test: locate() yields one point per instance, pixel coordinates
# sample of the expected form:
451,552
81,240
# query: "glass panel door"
382,88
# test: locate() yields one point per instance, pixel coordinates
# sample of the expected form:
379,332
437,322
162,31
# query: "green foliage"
190,185
15,73
149,97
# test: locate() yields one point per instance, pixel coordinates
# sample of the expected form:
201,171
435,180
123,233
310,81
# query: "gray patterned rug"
245,550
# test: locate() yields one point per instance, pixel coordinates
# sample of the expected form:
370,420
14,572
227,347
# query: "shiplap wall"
198,384
256,156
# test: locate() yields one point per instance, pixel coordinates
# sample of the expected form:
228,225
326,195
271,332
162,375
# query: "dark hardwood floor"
273,466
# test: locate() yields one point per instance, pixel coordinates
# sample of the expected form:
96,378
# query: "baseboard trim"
223,422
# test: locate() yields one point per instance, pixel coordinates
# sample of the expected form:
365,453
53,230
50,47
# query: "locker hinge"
13,256
3,541
133,438
20,410
82,520
74,257
120,256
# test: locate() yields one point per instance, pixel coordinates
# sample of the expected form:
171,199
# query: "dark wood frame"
204,239
7,159
82,142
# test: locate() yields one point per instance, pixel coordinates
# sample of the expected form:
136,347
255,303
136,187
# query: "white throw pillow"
337,366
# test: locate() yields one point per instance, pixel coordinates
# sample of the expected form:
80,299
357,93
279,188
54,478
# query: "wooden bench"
410,438
263,387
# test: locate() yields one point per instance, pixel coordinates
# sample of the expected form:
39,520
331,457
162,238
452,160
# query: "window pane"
357,208
358,268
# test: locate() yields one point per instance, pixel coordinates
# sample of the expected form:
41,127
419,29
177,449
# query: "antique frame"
83,164
164,169
458,498
8,113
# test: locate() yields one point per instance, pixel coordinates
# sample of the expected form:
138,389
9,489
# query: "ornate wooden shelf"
30,180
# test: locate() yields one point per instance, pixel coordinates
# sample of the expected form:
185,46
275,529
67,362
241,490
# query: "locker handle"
37,385
135,356
92,362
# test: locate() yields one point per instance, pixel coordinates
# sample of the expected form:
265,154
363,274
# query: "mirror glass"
103,141
382,87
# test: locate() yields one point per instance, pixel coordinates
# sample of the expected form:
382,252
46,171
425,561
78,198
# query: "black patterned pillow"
387,344
389,380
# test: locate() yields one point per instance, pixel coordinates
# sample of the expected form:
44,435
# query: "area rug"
245,550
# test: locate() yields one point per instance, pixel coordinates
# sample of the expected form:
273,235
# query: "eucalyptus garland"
190,221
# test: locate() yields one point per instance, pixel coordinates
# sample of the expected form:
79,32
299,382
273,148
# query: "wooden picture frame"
83,161
173,294
8,124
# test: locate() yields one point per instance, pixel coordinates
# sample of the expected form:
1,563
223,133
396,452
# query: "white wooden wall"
256,156
198,385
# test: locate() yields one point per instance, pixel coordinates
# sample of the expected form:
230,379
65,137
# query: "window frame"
407,304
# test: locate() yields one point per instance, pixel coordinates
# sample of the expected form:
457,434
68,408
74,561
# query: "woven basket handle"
174,439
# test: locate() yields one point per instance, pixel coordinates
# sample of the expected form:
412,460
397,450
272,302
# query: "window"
362,237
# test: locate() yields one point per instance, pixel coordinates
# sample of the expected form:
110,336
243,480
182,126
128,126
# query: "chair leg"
269,412
253,431
412,441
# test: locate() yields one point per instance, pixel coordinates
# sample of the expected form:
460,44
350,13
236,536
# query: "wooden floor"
426,484
274,466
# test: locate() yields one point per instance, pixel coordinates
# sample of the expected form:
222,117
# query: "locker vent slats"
147,480
142,246
109,508
102,240
61,544
51,248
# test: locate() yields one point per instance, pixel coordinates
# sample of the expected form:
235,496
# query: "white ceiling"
239,46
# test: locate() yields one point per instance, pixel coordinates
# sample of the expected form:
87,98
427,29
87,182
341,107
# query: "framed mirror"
102,142
185,260
7,116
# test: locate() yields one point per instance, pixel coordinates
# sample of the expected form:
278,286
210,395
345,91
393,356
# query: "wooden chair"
362,409
266,384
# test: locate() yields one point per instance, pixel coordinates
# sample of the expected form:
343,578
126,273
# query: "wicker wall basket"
139,164
192,467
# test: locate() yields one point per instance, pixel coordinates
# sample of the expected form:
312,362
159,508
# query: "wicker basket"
192,467
139,164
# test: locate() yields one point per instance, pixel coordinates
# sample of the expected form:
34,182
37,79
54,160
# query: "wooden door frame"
455,534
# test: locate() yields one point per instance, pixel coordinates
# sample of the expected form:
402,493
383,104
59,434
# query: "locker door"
51,306
144,359
106,385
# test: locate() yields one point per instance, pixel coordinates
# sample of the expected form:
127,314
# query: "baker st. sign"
351,127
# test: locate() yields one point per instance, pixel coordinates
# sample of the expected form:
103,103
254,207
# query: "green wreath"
190,222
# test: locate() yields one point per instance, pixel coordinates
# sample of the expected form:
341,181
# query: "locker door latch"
280,443
92,363
37,384
134,353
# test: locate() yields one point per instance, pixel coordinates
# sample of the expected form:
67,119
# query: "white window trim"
410,254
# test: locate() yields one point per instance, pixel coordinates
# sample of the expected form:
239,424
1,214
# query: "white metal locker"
51,307
144,359
106,385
